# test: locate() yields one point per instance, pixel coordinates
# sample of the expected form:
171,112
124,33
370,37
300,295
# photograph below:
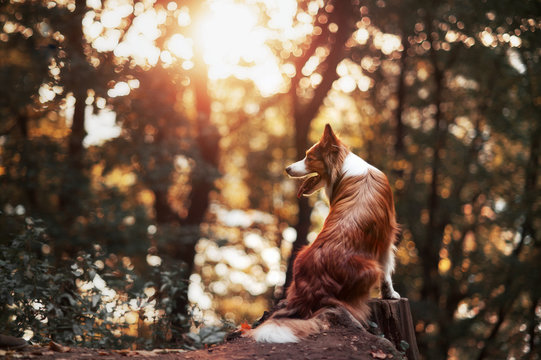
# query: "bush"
45,302
83,301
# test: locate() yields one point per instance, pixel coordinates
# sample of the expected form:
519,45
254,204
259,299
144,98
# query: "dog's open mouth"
308,184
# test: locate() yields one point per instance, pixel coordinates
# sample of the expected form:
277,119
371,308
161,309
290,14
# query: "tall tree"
77,74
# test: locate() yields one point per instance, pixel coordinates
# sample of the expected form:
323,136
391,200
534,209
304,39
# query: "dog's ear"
329,139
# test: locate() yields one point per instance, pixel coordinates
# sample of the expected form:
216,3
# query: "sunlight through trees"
143,146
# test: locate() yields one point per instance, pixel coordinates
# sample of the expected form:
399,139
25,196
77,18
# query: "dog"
354,249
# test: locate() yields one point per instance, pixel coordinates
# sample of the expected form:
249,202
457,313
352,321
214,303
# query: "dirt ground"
340,342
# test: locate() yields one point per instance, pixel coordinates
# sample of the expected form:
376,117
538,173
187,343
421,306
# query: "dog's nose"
288,169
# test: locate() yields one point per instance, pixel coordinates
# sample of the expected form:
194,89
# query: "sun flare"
228,34
235,44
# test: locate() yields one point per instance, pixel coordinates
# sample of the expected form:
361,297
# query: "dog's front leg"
387,290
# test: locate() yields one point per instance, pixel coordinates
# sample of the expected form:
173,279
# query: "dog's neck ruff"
353,165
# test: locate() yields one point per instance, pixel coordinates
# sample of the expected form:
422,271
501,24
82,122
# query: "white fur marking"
273,333
298,169
388,268
355,166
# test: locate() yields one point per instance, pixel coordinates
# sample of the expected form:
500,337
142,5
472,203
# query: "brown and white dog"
354,249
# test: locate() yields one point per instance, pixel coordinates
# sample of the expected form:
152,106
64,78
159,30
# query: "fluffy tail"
287,330
284,330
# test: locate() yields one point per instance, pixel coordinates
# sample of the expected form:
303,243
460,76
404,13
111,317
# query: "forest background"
142,148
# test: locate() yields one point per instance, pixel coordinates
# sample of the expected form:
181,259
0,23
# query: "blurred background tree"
153,135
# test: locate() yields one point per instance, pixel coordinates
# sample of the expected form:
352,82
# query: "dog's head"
321,165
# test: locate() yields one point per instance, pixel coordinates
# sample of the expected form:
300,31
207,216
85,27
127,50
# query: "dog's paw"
387,291
391,295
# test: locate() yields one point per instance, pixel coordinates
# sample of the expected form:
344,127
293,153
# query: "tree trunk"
29,181
434,230
77,86
431,247
394,320
203,176
164,213
78,132
401,97
74,179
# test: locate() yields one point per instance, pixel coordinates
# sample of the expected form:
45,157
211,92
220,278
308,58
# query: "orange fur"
346,260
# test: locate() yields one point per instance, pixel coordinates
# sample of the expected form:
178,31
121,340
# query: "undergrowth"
85,302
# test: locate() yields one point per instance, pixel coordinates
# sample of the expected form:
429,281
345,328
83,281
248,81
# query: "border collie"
354,249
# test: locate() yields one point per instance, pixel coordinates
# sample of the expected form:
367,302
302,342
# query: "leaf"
404,345
214,338
58,348
95,300
194,337
91,274
77,272
77,329
125,352
70,298
245,327
206,331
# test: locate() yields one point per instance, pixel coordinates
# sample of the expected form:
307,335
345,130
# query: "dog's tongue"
308,184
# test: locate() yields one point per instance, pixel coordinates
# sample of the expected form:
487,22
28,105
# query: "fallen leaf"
58,348
127,352
245,327
123,352
166,351
378,354
147,353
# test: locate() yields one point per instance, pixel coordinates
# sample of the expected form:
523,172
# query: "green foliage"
208,335
24,275
170,287
404,345
80,302
45,300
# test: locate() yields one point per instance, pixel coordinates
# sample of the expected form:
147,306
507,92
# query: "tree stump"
11,342
394,321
